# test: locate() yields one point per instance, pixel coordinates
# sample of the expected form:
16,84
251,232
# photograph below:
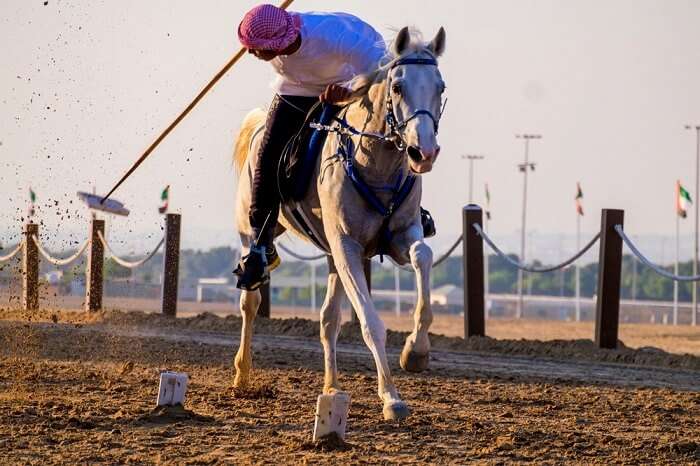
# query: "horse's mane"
362,83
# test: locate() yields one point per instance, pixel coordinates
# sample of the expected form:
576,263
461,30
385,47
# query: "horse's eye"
396,88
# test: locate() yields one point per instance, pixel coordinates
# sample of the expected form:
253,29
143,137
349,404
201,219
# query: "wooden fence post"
95,264
171,262
473,270
607,313
30,269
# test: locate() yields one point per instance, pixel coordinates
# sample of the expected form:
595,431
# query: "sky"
86,86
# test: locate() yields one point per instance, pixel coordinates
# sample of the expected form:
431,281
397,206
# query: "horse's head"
414,89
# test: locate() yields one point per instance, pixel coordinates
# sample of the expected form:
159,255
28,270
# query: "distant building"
447,295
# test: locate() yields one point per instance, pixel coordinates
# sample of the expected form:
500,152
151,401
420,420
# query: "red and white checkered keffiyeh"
267,27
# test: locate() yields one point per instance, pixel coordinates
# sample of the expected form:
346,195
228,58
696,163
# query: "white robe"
335,47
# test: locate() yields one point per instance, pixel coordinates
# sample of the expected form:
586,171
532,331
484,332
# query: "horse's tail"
252,121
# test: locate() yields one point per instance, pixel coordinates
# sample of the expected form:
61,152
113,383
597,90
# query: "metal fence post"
264,309
30,269
473,270
95,264
607,313
171,262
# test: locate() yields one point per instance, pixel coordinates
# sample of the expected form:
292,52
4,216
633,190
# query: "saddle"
301,153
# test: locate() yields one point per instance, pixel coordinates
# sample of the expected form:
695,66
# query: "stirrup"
252,274
252,270
428,223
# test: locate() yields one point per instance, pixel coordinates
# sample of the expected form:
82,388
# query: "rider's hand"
335,93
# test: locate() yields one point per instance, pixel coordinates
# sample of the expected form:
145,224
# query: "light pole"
313,286
694,317
524,167
471,158
397,290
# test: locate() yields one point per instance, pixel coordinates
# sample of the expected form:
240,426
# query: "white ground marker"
331,415
172,388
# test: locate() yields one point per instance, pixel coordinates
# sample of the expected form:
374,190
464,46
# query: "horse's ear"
403,39
437,45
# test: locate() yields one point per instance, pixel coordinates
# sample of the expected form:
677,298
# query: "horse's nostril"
414,153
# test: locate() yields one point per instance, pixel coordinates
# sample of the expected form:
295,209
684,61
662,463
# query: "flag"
488,202
164,200
682,200
579,196
32,200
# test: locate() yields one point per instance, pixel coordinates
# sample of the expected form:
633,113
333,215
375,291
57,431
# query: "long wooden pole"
187,110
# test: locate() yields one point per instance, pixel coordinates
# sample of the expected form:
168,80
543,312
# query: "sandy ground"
675,339
77,388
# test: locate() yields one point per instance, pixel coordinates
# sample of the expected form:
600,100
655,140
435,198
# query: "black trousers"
284,120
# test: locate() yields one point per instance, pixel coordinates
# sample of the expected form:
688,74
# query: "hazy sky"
87,85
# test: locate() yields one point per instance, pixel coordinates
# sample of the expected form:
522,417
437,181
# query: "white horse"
408,91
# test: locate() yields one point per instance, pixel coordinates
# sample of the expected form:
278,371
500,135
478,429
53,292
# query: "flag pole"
486,269
675,268
577,269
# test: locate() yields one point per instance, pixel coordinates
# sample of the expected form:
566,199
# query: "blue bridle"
395,127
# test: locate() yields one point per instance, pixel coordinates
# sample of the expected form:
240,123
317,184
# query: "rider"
311,53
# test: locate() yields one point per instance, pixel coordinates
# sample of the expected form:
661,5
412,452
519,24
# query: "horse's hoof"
414,362
395,411
240,382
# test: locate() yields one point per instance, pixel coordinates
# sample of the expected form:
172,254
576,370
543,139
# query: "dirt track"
83,390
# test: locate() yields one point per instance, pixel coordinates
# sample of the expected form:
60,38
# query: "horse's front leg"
250,300
416,351
348,255
330,328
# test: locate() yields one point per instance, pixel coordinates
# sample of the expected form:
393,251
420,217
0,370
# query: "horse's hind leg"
250,300
330,328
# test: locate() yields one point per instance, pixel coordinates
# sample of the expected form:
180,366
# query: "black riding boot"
254,269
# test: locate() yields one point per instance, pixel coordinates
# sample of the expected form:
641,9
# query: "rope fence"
300,256
611,238
664,273
526,268
449,252
96,246
57,261
124,262
437,262
14,252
